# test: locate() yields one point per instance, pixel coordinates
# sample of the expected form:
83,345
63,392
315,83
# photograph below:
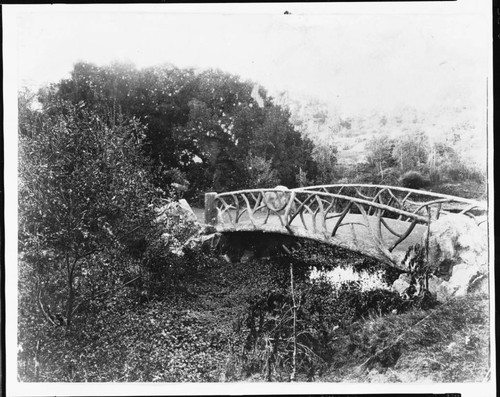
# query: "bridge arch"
374,220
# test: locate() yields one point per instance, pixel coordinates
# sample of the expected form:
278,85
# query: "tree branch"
40,306
103,293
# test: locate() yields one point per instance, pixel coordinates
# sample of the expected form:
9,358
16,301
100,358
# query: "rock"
402,283
479,285
440,289
205,242
434,285
405,287
208,229
458,253
186,209
457,238
462,275
177,208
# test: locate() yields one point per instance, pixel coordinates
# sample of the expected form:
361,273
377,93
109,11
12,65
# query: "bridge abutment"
210,208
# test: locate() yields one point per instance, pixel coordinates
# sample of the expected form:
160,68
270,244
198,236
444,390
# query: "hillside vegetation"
445,144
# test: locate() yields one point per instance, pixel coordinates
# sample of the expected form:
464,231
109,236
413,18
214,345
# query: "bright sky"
356,56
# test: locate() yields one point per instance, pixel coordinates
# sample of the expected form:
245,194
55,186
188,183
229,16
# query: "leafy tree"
222,117
325,156
84,200
205,124
380,155
278,141
261,173
411,150
157,97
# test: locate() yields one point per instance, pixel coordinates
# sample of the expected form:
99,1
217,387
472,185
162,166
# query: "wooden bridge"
376,221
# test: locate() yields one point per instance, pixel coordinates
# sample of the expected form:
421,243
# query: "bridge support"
210,208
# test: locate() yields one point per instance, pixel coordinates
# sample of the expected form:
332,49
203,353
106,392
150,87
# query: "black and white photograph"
249,198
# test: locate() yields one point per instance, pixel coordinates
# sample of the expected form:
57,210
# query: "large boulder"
458,254
180,208
179,221
402,283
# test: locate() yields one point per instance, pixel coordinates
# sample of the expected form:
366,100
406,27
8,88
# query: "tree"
157,96
325,156
261,173
84,197
205,123
278,141
380,154
411,151
221,123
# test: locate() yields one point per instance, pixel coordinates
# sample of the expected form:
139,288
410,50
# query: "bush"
414,180
84,206
456,174
323,309
462,172
470,190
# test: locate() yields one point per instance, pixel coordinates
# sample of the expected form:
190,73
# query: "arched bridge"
374,220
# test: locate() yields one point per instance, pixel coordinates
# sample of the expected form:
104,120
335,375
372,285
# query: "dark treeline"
208,130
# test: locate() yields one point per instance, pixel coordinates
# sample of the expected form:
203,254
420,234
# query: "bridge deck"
377,221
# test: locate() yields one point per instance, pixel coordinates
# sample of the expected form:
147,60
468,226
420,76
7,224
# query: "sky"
350,56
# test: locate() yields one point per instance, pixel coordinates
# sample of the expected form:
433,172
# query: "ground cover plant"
234,322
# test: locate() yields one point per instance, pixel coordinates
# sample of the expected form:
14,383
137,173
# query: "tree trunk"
381,172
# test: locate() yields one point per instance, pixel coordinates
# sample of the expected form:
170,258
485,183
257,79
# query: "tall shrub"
83,205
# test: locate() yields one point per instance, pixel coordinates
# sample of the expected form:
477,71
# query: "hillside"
462,124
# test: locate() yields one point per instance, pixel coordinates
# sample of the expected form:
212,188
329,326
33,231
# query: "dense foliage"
232,324
216,130
88,221
84,198
414,180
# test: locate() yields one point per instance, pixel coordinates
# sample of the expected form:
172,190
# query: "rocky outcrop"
456,240
458,255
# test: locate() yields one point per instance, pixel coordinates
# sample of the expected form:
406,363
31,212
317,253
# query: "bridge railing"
376,220
416,201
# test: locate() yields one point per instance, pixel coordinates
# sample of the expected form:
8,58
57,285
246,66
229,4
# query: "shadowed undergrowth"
232,322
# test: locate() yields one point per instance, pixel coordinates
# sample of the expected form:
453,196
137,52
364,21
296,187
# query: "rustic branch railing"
413,200
376,220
